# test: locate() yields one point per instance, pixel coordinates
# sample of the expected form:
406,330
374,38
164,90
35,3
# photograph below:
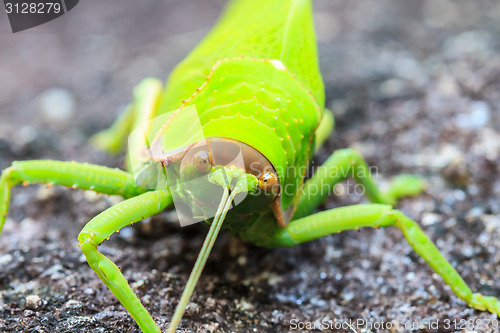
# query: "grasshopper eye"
267,181
202,161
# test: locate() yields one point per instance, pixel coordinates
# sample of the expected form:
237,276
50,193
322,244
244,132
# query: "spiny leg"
102,227
342,164
70,174
378,215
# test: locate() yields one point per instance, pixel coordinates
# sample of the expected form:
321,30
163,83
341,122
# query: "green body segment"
258,71
262,29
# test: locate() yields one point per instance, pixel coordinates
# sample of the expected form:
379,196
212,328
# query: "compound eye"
202,161
267,181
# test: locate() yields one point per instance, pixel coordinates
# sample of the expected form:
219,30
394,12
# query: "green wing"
270,29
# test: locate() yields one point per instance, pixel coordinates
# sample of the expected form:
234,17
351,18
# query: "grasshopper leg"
70,174
379,215
324,129
143,107
342,164
112,139
102,227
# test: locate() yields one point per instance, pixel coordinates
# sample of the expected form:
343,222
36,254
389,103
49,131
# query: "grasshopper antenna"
220,215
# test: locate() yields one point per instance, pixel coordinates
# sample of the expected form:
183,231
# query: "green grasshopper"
258,71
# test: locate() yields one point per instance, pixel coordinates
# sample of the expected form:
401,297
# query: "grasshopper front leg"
378,215
70,174
103,180
102,227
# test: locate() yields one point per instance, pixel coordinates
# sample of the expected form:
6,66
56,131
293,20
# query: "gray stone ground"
415,86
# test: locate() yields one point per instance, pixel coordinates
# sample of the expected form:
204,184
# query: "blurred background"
415,86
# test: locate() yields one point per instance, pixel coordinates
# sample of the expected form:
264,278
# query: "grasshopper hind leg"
112,139
346,163
141,109
379,215
325,128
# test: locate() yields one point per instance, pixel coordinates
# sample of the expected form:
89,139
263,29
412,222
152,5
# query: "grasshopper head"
175,154
198,177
